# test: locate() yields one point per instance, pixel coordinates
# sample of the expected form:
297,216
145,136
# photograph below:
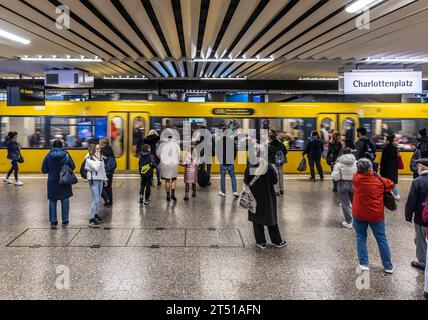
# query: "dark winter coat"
361,147
146,160
274,147
314,148
388,163
153,141
264,192
334,150
52,165
108,153
13,151
417,196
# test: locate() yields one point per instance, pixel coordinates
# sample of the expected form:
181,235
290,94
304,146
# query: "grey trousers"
345,190
280,174
421,244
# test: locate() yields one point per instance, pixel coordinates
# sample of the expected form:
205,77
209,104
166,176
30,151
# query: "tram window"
77,132
293,132
405,131
138,134
117,136
31,131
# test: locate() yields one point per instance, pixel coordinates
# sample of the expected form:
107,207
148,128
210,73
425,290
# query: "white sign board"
383,82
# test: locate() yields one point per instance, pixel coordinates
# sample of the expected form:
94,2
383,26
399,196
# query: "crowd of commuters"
361,190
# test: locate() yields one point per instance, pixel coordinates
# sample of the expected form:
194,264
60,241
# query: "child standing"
146,165
190,173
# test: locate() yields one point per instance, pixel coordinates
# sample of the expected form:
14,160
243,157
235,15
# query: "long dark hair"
11,135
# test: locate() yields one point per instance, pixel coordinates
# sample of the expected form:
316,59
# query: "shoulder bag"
388,198
246,199
67,176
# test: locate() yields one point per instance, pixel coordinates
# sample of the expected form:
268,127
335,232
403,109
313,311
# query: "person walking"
314,149
169,153
96,174
418,195
277,157
333,152
153,140
368,211
14,156
365,147
146,164
421,151
52,166
226,152
343,175
190,165
263,183
110,167
389,164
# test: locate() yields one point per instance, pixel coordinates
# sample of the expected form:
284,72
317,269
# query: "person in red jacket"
368,210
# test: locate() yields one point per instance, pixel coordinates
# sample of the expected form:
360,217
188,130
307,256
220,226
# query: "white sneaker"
7,181
347,225
364,268
236,194
18,183
397,197
389,271
221,194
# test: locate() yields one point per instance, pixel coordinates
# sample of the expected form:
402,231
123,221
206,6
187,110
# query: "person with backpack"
110,167
365,147
421,151
418,195
146,164
389,164
343,174
94,171
314,149
333,152
52,166
14,156
261,178
153,140
190,173
277,157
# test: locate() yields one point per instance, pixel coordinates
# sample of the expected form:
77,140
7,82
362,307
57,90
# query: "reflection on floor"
203,249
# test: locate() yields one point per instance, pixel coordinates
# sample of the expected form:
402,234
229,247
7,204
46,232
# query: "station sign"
233,111
387,82
25,96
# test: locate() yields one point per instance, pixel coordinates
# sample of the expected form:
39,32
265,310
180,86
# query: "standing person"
389,164
52,165
146,165
314,149
263,188
153,141
368,210
226,152
334,150
190,173
14,156
350,137
421,151
36,139
96,174
365,147
169,153
425,218
343,175
418,195
277,153
110,167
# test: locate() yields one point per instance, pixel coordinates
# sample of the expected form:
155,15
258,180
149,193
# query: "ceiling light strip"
398,60
13,37
234,60
359,5
67,59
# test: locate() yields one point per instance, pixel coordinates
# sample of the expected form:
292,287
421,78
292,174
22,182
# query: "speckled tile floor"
193,262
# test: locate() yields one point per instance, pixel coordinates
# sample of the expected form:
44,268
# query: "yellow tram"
125,122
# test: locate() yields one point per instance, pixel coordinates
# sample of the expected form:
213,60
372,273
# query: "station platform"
203,249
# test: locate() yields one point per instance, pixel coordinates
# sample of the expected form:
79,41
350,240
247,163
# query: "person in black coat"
266,211
277,150
334,151
110,167
389,164
153,141
314,149
52,165
14,156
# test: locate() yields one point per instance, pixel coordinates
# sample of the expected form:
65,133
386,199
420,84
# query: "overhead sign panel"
383,82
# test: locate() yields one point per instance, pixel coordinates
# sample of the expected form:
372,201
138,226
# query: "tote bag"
247,200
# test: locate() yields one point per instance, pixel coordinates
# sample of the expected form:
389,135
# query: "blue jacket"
13,151
314,148
52,165
417,196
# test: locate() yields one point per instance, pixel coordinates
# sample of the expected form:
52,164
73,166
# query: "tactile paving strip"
129,237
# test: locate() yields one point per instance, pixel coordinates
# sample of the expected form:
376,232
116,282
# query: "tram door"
127,132
345,123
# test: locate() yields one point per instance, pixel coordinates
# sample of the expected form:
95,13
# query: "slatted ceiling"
140,37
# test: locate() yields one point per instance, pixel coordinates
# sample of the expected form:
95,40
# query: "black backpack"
203,177
369,152
83,171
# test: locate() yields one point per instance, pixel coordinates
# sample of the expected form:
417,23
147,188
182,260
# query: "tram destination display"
25,96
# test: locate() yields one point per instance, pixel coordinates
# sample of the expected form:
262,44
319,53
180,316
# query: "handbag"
388,199
247,200
302,165
67,176
21,159
400,162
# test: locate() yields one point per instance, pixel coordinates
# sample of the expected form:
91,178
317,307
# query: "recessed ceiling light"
13,37
359,4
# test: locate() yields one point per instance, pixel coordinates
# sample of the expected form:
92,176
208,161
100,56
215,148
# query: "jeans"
317,162
65,211
108,191
378,229
259,233
13,170
231,169
426,275
346,196
96,190
395,191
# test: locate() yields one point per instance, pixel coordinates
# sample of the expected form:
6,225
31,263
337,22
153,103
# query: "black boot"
173,198
168,197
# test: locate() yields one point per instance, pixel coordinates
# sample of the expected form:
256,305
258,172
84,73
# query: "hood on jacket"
275,143
145,153
107,151
57,153
152,139
347,159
